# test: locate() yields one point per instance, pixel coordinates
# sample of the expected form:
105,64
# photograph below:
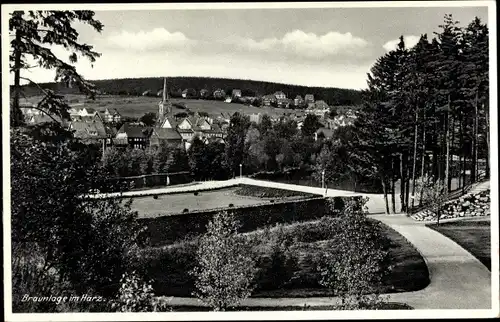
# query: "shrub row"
167,229
264,192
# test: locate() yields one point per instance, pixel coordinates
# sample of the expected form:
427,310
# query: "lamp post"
241,171
323,179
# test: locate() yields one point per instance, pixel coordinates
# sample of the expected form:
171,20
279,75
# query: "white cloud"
308,45
111,65
156,39
410,41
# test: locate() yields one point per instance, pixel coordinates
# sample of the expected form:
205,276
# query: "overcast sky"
333,47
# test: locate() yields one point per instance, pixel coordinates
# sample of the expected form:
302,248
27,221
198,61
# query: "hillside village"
109,128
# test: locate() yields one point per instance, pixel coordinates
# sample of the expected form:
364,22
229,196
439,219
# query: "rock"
466,204
461,214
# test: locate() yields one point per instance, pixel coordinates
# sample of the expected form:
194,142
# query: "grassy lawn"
473,235
168,266
205,200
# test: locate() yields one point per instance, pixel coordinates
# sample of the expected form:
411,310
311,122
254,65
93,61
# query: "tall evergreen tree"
34,32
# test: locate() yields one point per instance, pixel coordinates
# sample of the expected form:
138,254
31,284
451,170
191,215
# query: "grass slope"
473,235
135,107
168,266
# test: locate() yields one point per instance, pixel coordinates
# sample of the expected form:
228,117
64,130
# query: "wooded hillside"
137,86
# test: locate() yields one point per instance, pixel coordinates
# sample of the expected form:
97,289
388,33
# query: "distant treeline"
138,86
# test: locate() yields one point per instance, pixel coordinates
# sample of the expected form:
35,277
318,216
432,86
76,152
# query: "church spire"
164,90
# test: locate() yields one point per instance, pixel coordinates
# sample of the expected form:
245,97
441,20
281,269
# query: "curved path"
457,279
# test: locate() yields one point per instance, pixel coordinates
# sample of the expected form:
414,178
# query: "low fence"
167,229
305,177
154,180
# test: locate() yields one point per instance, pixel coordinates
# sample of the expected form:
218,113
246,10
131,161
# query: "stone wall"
469,205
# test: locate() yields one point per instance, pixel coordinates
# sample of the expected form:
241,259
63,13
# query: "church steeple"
164,107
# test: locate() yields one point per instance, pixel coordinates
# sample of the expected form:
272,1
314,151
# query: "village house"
269,99
280,95
256,118
298,101
342,120
108,116
160,136
324,132
319,109
309,98
219,93
284,102
188,93
236,93
204,93
43,118
89,132
135,136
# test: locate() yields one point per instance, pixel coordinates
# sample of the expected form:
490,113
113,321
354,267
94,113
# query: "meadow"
136,106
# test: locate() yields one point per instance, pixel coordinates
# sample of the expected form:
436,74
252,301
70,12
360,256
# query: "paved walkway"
458,279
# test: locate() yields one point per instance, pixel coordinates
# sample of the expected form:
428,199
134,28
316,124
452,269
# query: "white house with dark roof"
280,95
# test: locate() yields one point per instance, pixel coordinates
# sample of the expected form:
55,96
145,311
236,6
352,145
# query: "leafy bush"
136,296
80,243
264,192
231,205
196,193
155,197
358,263
278,265
225,270
185,210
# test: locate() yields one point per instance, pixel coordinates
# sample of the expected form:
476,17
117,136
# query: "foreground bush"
63,243
358,263
136,296
225,269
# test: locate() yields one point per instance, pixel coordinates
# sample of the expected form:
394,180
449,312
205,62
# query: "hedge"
167,229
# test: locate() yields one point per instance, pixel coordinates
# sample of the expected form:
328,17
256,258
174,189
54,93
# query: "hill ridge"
136,86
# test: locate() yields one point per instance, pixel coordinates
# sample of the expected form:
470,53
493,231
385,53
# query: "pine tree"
33,33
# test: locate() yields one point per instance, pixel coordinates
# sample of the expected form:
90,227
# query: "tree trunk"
461,182
17,116
487,129
447,139
474,143
384,187
422,172
450,176
414,170
407,188
393,188
401,183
